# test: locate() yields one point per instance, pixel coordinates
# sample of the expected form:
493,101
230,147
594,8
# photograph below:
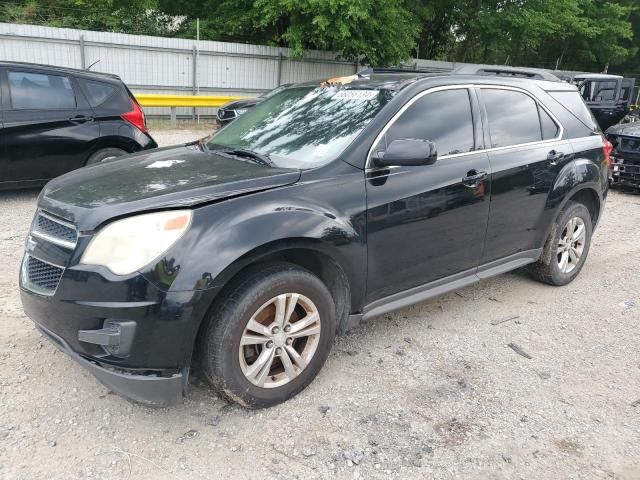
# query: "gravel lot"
433,391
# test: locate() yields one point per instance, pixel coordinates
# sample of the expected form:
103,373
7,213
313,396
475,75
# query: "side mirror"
408,152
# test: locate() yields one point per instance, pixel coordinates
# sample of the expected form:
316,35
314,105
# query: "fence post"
279,67
83,60
194,87
174,119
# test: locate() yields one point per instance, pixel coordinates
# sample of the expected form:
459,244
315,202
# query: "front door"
48,125
428,222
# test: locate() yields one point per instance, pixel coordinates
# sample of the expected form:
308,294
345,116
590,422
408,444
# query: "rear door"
527,152
48,125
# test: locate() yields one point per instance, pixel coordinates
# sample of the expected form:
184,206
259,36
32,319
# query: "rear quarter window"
572,102
40,91
105,95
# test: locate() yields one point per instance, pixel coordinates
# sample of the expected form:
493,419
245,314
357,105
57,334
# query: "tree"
123,16
380,32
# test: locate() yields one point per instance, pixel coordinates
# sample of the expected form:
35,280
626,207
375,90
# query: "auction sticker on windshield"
356,94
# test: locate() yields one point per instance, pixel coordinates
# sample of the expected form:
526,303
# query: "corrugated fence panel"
142,66
294,71
167,64
16,49
231,72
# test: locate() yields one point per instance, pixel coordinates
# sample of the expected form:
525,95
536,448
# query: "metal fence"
168,65
158,65
172,65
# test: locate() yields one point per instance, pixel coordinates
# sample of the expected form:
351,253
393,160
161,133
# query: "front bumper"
146,389
152,363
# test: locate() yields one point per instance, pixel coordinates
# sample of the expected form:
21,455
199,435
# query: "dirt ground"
432,391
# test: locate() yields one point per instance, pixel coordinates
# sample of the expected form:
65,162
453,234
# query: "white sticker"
164,163
356,94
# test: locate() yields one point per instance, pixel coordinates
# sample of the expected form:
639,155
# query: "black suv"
325,204
53,120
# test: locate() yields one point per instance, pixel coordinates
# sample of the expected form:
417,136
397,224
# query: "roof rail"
372,70
491,70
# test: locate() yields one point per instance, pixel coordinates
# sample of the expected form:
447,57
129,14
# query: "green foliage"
572,34
123,16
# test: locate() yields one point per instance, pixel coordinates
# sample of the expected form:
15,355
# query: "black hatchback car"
325,204
54,120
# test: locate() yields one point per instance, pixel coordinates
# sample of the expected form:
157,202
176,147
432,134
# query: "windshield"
303,127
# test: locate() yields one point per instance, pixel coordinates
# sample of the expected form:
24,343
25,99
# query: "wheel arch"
310,254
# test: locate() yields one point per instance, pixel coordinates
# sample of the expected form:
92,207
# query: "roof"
73,71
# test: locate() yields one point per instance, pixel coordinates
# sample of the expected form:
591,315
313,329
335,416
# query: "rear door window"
442,117
550,128
513,117
40,91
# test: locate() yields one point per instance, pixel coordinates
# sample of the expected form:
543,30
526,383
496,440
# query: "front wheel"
566,248
270,335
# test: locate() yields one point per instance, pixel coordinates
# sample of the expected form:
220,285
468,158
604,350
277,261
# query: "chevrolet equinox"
326,204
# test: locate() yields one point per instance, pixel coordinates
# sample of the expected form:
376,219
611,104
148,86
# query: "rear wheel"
269,337
566,248
105,154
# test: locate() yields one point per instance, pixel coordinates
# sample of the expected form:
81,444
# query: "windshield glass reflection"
303,127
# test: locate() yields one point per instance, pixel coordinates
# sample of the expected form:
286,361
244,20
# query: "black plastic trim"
146,389
429,290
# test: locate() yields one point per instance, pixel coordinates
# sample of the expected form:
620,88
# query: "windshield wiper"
260,158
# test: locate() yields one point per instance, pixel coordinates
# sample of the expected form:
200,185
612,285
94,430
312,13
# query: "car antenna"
89,67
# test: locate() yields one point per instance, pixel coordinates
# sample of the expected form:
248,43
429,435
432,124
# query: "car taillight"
136,117
607,148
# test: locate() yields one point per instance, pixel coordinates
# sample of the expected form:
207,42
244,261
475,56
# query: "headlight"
127,245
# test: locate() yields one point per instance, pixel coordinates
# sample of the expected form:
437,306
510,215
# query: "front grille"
54,230
40,277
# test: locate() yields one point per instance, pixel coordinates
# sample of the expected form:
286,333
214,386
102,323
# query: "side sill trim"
429,290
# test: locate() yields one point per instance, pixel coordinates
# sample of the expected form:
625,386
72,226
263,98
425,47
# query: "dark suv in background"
54,120
325,204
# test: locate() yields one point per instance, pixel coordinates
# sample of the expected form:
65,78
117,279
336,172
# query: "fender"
229,235
579,174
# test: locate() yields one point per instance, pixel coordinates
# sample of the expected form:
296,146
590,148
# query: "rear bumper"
146,389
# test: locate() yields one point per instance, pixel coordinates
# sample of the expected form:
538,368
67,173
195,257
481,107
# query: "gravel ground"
432,391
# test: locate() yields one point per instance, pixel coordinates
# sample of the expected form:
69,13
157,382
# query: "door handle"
473,178
553,157
81,119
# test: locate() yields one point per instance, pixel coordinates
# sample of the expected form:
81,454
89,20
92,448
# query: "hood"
244,103
164,178
626,129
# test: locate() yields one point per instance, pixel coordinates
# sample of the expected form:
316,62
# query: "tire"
105,154
234,370
550,268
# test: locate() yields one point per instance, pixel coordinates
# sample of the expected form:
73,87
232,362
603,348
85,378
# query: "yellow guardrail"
153,100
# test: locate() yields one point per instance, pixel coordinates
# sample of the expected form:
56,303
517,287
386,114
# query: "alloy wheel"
279,340
571,244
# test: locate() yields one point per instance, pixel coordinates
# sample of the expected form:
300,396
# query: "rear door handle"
473,178
81,119
553,157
